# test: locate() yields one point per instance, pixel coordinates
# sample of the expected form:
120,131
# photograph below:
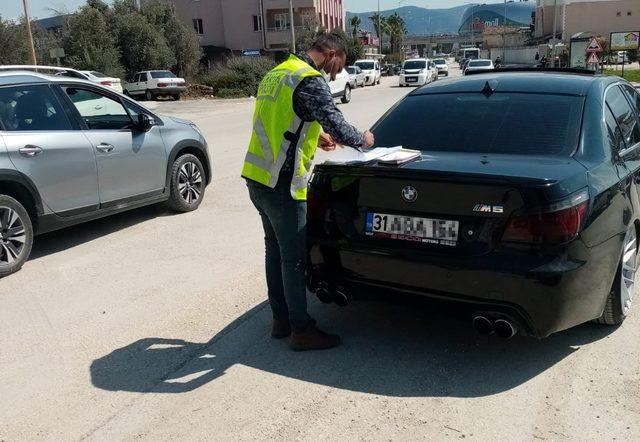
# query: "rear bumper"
168,90
545,295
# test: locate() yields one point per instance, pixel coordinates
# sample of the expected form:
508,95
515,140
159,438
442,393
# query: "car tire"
619,299
148,95
16,235
188,183
346,96
176,97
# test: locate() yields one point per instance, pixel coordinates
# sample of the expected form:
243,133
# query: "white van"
415,72
371,70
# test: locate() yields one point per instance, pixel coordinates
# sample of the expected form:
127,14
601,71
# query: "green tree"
182,40
396,28
379,23
354,24
89,42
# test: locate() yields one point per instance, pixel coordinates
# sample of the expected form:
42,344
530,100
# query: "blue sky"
42,8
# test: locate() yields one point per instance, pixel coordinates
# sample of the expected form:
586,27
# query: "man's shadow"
392,350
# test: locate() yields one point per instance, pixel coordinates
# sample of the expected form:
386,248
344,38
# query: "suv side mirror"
145,122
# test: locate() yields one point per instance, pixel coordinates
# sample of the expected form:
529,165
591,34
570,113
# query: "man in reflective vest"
295,113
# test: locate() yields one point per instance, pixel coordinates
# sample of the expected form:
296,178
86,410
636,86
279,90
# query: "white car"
92,76
152,84
478,65
100,78
356,76
443,67
416,72
371,71
340,87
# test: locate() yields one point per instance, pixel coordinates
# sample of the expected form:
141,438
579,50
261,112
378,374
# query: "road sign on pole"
593,59
594,46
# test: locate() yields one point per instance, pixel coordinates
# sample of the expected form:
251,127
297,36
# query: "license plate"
412,228
411,80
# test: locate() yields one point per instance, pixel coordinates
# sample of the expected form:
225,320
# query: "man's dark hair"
327,42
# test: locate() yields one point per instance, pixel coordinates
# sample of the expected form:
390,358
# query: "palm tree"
355,23
379,23
396,27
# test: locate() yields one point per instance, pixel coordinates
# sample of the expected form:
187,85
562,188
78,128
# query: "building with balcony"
249,26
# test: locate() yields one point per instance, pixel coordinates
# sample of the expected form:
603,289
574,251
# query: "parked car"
153,84
528,227
415,72
340,87
92,76
72,151
443,67
371,70
356,77
478,65
396,69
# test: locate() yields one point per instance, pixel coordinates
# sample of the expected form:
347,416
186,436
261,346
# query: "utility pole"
25,3
504,31
555,30
473,26
379,30
293,28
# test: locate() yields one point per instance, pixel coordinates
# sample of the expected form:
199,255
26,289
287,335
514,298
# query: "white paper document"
350,156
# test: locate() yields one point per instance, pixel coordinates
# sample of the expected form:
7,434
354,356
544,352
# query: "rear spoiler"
533,69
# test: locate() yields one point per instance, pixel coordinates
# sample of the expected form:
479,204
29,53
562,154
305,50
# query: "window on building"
197,26
282,21
257,23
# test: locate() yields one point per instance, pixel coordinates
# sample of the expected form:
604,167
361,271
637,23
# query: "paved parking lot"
151,325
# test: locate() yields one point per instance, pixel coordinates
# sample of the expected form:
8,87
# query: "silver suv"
73,151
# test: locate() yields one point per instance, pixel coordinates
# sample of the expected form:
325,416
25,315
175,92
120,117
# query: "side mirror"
145,122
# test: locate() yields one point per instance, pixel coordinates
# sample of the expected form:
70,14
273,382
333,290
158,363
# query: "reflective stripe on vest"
273,119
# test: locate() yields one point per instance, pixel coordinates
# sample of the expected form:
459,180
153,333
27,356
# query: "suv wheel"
148,95
187,183
16,235
346,97
619,300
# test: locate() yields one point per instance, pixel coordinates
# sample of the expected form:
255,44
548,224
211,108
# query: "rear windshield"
365,65
98,74
416,64
504,123
479,63
162,74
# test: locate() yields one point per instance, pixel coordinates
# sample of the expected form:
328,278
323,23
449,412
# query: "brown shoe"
280,329
313,339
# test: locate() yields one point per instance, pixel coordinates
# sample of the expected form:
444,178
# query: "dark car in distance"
527,215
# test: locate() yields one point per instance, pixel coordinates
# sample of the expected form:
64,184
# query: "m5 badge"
488,208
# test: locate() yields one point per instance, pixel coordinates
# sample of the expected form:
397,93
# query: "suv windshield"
351,70
504,123
162,74
365,65
479,63
415,64
439,61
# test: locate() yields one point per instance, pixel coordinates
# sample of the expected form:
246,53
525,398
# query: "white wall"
516,56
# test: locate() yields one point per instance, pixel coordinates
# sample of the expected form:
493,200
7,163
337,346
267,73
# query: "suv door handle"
104,147
30,150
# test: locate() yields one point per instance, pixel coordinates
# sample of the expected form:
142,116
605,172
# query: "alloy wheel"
629,268
13,235
190,182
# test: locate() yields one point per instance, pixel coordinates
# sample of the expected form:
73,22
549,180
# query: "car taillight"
162,84
555,225
105,83
183,84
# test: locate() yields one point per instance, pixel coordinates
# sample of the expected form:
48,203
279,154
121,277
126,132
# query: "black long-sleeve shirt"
312,101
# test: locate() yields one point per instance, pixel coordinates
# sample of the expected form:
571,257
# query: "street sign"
594,46
251,52
593,59
625,41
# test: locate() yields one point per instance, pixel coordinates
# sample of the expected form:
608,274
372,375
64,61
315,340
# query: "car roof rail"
534,69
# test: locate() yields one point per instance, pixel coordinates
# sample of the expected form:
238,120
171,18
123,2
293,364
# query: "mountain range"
419,21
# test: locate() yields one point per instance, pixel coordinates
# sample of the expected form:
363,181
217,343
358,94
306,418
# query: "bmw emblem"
410,194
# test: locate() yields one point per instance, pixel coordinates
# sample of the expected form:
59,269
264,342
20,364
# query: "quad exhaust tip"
338,296
504,329
483,325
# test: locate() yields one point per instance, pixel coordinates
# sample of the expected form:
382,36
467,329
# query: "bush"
239,77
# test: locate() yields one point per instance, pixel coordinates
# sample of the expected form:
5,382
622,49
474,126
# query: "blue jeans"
285,235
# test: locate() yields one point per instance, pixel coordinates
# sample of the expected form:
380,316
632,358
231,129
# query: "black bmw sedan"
524,207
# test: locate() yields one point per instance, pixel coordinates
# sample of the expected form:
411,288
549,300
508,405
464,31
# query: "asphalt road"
150,325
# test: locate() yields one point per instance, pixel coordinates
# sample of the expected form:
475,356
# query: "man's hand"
369,139
326,142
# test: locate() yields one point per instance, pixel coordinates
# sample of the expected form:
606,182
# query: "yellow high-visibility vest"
275,125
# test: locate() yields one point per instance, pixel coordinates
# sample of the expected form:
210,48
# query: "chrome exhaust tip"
340,298
324,295
483,325
504,328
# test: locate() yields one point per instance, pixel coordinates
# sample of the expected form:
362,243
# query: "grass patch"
632,75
